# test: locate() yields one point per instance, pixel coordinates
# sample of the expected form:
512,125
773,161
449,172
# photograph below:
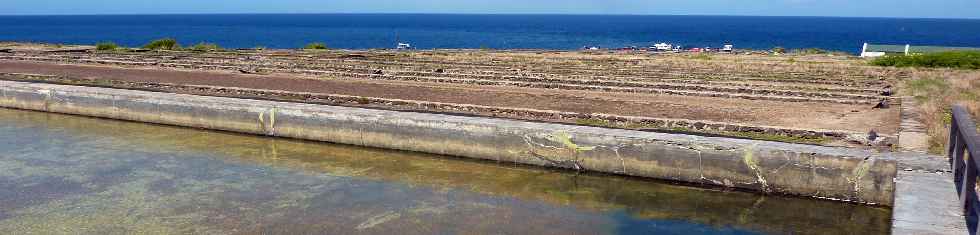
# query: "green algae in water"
73,175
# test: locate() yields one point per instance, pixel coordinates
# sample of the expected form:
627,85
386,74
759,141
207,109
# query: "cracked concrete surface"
925,198
926,203
912,133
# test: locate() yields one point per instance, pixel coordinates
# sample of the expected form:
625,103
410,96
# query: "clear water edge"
70,174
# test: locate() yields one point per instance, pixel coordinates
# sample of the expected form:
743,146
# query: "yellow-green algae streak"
68,175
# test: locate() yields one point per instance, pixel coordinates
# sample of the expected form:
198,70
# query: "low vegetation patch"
809,51
779,50
594,122
701,56
204,46
924,89
316,46
778,138
106,46
163,44
936,93
949,59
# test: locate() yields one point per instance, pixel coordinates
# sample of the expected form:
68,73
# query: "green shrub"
163,44
206,47
316,46
810,51
949,59
779,50
106,46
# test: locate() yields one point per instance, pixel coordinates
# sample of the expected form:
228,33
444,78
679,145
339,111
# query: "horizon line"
504,14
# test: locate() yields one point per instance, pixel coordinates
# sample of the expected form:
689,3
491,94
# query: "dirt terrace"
758,78
821,93
759,112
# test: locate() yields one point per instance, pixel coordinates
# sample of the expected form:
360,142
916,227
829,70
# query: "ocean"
428,31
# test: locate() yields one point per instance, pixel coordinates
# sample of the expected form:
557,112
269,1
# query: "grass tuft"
204,47
594,122
316,46
163,44
778,138
779,50
106,46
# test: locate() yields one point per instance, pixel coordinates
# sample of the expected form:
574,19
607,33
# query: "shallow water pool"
62,174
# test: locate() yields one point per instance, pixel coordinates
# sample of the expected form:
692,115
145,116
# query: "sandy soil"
755,112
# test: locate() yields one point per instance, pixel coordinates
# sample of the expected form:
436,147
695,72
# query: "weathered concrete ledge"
770,167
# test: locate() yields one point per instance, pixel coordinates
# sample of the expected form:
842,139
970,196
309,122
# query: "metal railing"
964,157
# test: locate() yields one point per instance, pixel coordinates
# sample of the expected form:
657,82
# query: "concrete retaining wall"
834,173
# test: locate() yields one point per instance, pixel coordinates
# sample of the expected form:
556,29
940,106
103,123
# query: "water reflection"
68,174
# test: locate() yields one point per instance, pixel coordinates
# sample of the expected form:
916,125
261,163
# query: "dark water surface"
74,175
360,31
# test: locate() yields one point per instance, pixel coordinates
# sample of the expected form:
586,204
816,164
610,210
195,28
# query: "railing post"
954,135
968,193
959,165
964,156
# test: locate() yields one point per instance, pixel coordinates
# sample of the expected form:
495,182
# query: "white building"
872,50
729,47
404,46
881,50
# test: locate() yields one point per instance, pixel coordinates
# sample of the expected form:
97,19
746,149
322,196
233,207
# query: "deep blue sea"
426,31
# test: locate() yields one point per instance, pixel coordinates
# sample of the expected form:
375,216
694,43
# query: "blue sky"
869,8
